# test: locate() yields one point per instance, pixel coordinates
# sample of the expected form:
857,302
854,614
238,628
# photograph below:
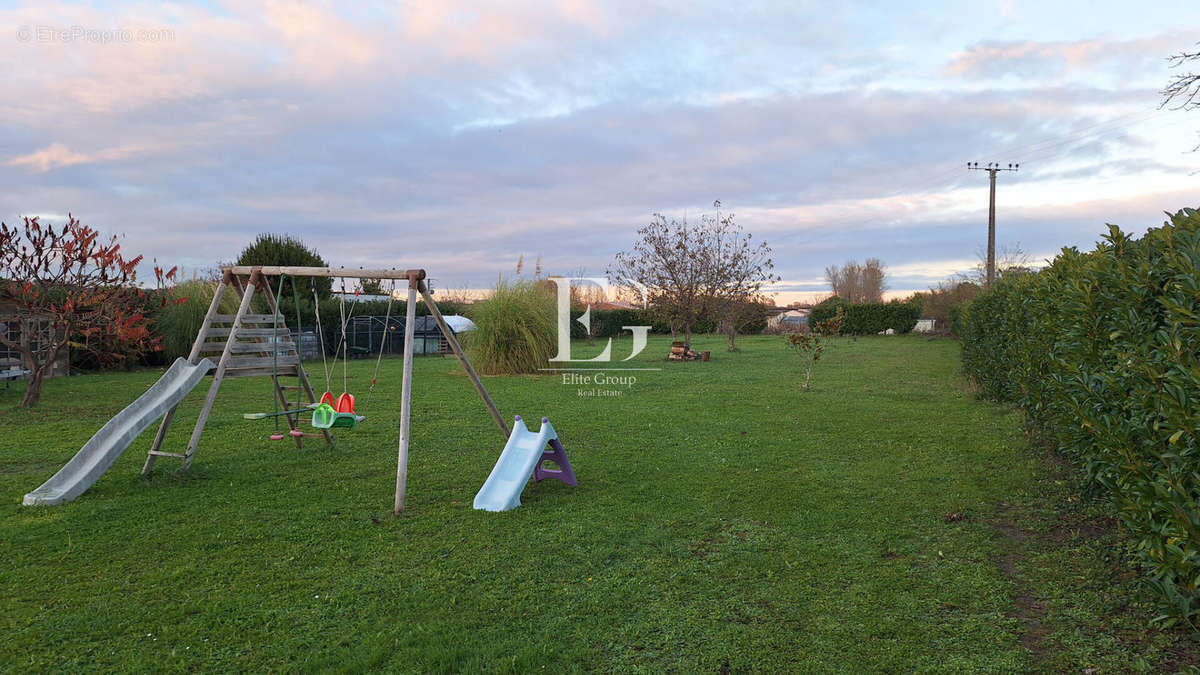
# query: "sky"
463,136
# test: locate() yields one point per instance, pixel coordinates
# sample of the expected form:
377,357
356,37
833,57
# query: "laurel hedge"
608,323
868,318
1102,351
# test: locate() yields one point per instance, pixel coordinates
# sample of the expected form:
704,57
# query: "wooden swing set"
260,344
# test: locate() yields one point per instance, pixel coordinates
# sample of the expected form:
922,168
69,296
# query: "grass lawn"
722,515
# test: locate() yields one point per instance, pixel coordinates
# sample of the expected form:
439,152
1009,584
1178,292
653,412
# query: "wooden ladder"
249,345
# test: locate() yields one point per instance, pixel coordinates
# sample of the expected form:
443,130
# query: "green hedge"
1102,350
826,310
868,318
607,323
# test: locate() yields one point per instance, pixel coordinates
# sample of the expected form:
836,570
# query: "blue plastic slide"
522,453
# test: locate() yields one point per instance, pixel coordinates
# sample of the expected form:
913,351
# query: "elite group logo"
564,320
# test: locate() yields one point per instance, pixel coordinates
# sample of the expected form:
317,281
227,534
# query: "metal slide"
522,453
94,458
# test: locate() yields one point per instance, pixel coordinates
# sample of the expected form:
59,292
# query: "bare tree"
738,272
1010,261
858,283
873,280
65,284
843,281
664,260
1183,90
938,301
693,272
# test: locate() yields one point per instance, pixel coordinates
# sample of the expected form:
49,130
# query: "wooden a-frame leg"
197,346
215,387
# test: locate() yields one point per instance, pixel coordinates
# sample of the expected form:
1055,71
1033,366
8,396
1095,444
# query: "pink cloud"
51,157
57,155
1031,58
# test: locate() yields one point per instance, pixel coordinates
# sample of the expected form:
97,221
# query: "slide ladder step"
161,453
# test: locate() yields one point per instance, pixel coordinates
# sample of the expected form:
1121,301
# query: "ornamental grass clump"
515,330
179,321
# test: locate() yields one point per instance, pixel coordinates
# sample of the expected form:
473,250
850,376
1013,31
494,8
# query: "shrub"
868,318
943,303
607,323
115,350
809,347
1102,351
515,330
956,315
827,309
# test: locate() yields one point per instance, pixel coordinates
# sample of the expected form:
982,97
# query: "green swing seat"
325,416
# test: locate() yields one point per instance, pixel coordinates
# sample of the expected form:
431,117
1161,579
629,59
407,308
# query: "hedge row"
868,318
1102,350
608,323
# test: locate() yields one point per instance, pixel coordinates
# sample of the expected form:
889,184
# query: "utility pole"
991,168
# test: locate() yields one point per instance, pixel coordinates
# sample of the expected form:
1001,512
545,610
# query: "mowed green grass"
722,515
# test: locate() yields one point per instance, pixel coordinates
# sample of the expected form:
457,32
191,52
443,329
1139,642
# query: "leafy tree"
370,286
285,250
67,287
691,272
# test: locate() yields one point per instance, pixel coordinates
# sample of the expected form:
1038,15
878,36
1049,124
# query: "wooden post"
213,308
462,357
406,393
211,398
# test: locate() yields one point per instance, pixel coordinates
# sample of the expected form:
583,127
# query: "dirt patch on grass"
1070,583
1082,528
1181,659
728,535
1026,608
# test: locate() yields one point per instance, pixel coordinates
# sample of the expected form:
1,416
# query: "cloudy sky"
459,136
